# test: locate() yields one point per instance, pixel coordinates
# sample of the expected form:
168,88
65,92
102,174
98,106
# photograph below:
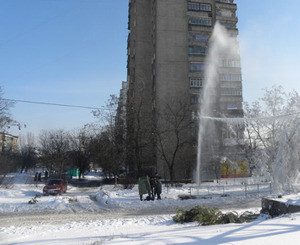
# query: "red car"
55,186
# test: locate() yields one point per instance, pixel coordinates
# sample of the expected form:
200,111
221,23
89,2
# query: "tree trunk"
171,171
116,180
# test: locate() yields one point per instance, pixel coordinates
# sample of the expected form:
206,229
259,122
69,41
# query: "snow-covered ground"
111,215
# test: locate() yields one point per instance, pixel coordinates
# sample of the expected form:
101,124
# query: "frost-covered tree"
286,166
272,134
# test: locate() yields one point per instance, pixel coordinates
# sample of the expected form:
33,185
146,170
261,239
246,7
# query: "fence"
232,190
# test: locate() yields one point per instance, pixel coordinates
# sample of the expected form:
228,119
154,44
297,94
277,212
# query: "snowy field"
109,215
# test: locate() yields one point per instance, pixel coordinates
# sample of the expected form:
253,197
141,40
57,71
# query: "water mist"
221,47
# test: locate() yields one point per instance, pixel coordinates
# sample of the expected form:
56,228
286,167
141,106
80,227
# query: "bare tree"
108,146
54,149
8,161
105,152
5,106
140,138
8,164
173,134
79,153
28,153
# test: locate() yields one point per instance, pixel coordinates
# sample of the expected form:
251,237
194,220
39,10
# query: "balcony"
196,6
200,21
226,15
197,50
225,1
226,4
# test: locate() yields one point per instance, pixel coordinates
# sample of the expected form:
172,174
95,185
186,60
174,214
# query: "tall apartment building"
168,43
121,110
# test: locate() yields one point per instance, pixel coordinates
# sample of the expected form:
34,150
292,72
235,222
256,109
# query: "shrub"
202,215
208,216
211,216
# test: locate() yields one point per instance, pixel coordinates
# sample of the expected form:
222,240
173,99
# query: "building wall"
167,47
8,142
140,150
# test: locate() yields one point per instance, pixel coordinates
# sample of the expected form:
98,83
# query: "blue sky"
269,39
74,52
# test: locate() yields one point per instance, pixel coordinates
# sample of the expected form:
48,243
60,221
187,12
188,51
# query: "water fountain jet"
221,46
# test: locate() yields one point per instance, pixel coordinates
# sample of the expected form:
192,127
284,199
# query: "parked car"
55,186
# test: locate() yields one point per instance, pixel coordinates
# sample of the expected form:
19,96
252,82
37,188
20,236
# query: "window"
231,91
230,63
197,50
195,99
195,115
230,77
227,24
197,37
226,13
200,21
231,106
196,82
199,6
196,67
225,1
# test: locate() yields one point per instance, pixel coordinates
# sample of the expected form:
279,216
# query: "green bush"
248,216
202,215
231,217
211,216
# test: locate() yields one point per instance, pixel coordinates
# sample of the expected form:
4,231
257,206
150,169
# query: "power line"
57,104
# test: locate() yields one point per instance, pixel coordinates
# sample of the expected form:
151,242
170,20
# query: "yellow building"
8,142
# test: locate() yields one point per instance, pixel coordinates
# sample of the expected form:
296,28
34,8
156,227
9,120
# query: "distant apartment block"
8,142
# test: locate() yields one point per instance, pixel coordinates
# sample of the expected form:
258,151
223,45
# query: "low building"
8,142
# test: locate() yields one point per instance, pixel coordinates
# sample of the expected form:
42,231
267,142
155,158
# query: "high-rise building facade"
168,43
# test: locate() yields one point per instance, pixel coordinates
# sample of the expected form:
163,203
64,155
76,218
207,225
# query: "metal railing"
232,190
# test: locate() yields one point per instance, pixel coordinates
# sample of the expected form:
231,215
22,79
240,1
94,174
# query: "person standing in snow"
144,187
36,177
152,184
46,175
157,187
40,177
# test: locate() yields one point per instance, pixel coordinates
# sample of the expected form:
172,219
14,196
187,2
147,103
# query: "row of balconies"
225,13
